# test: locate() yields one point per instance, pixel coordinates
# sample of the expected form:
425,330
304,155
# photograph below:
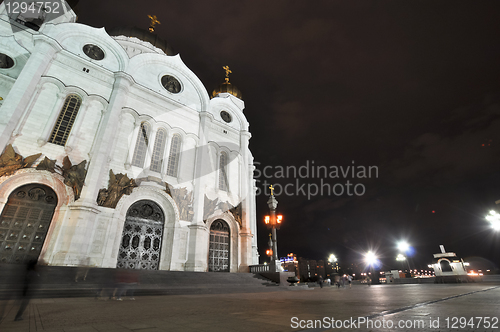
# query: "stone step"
54,281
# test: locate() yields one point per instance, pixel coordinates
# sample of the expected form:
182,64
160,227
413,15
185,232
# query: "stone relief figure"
234,210
118,185
237,213
74,175
10,161
184,201
209,207
47,165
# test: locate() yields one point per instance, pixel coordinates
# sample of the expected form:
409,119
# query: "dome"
144,35
227,87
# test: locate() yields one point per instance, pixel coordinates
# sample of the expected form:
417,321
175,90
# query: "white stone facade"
118,94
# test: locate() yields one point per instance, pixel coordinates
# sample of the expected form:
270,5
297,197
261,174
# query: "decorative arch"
25,221
142,237
168,64
54,181
73,37
234,238
170,212
219,248
445,265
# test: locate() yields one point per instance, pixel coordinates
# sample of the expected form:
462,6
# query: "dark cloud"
411,87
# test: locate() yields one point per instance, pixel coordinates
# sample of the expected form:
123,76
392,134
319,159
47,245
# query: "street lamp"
494,219
273,221
333,259
371,258
403,248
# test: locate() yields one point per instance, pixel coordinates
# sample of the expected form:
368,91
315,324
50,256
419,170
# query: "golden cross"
154,21
272,188
228,71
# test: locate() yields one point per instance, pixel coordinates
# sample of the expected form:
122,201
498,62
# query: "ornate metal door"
218,253
25,221
142,235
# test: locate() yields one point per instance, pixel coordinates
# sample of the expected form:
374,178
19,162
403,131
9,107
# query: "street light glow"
403,246
494,219
332,258
400,257
371,258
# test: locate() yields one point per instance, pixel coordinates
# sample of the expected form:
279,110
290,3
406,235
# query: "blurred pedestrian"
337,280
320,280
30,281
83,269
128,281
349,280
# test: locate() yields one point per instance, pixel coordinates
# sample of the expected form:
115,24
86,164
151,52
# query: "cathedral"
113,153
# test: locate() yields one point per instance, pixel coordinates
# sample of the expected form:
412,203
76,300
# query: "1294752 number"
473,322
33,7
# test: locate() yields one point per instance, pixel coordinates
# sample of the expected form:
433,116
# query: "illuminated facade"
115,154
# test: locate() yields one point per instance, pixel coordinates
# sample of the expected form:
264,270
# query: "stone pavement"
271,311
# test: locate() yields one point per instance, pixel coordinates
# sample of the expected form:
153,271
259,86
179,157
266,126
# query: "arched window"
223,171
159,147
173,158
65,120
141,145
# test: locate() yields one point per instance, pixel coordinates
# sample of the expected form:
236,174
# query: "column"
19,97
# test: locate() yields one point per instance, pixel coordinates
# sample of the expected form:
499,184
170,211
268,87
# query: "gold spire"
227,87
272,189
228,71
154,21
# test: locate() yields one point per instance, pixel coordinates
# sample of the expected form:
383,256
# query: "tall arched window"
141,145
223,171
65,120
159,147
173,158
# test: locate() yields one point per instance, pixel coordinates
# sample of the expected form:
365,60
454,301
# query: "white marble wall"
52,69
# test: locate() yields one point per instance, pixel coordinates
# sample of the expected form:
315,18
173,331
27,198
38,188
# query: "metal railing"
260,268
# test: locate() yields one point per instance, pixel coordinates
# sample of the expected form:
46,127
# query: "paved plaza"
293,310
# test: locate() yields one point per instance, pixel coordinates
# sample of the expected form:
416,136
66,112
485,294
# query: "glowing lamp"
267,220
269,252
279,218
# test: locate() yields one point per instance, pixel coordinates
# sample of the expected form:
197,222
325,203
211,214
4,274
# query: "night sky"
412,88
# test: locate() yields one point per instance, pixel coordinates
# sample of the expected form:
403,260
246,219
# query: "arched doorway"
218,253
142,235
25,221
445,266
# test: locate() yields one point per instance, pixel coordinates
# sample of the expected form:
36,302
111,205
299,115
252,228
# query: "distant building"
448,267
310,270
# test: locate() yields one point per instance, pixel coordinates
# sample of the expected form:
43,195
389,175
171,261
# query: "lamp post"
403,248
333,260
273,221
401,258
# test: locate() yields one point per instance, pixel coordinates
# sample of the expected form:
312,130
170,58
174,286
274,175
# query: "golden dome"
227,87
